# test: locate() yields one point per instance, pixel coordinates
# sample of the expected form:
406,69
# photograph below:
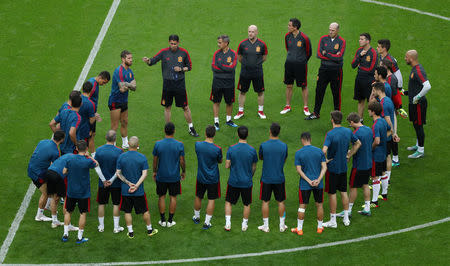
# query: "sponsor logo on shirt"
299,44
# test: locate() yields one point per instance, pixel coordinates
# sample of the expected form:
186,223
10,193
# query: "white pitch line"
270,252
406,8
97,44
31,189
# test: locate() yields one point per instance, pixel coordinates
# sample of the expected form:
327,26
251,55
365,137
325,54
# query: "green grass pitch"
44,45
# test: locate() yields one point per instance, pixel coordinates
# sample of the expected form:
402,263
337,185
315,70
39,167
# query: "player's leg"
246,194
331,184
115,118
265,192
69,206
279,191
261,105
102,199
200,190
243,86
319,207
167,113
336,86
172,209
126,205
229,100
92,144
289,82
321,86
375,191
289,93
162,209
187,115
84,206
213,194
101,217
129,223
366,210
361,107
116,198
42,186
124,127
81,225
216,109
231,197
216,98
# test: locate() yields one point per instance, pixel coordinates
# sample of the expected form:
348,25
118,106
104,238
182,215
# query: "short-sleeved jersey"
242,157
366,64
121,74
252,57
208,157
334,52
169,60
67,119
416,80
64,106
93,96
59,164
388,89
107,156
298,48
310,159
362,160
273,153
224,64
337,141
168,151
379,130
43,155
393,82
388,109
87,111
132,163
78,178
390,58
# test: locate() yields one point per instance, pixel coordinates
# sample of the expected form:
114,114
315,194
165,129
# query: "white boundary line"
31,188
406,8
271,252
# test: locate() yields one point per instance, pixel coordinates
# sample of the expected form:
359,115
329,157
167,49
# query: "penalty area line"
406,8
31,188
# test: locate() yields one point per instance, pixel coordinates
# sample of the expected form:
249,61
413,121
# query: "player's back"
208,157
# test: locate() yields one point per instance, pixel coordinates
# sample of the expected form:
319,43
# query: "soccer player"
87,113
388,113
223,67
168,157
366,60
175,61
362,163
122,82
252,52
101,79
209,155
336,147
383,52
108,184
69,121
273,153
380,129
44,154
78,189
132,169
380,76
241,160
298,47
418,87
311,166
331,54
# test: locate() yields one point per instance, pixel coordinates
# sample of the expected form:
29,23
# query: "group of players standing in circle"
60,167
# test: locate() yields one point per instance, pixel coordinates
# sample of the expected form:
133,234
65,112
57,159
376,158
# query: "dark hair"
366,35
105,75
59,135
174,37
75,100
382,71
224,38
275,129
74,94
336,116
87,87
387,63
169,128
375,107
379,86
124,53
82,145
306,136
210,131
385,43
353,117
242,132
296,23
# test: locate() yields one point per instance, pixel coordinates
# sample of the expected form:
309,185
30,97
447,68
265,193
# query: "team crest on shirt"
130,75
163,102
412,75
336,46
299,44
229,59
368,58
180,59
258,49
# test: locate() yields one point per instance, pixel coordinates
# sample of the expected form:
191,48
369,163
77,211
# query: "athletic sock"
171,217
420,149
47,204
299,224
40,212
66,230
384,185
282,221
54,218
241,109
216,120
190,125
388,173
208,219
101,221
375,189
333,217
196,214
228,117
125,140
227,219
163,216
350,206
346,215
130,228
149,227
266,222
395,158
244,221
260,108
367,205
319,224
116,220
80,234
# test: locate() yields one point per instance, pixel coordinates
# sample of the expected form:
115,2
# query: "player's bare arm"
183,167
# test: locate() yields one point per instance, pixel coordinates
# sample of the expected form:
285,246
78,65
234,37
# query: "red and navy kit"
168,151
132,163
223,67
107,156
169,60
362,160
121,74
337,141
392,60
379,130
274,153
67,119
298,48
252,57
333,58
208,157
87,111
94,92
417,112
366,63
396,96
78,178
45,153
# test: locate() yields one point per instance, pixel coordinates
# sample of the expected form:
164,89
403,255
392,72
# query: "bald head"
411,57
252,32
333,30
133,142
111,136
